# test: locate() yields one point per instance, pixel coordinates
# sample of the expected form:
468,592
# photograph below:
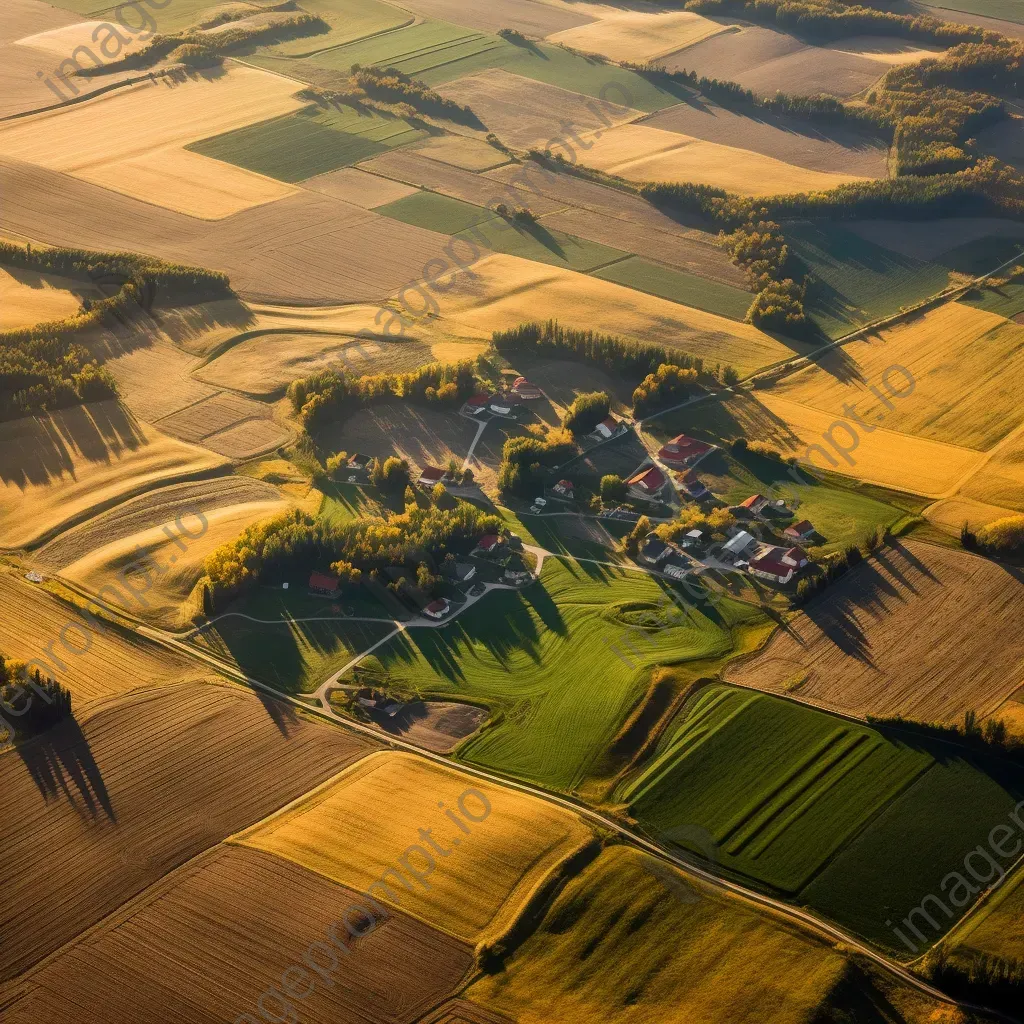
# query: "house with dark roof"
477,404
437,609
490,543
683,451
654,550
691,485
739,545
359,461
430,475
563,490
526,390
608,427
322,585
647,483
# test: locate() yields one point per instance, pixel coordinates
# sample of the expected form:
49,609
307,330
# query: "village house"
437,609
563,490
322,585
526,390
647,483
504,405
608,427
677,566
477,404
430,475
777,564
464,572
692,486
694,539
490,544
800,531
359,462
683,451
738,546
655,550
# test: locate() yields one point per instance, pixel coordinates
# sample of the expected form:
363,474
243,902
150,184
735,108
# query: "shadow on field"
283,715
61,764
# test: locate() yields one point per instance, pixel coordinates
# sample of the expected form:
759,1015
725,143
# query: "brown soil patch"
138,786
308,249
204,945
434,725
788,139
909,633
248,438
537,116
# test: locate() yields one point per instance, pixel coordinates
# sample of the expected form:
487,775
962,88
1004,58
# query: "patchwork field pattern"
136,786
862,650
352,829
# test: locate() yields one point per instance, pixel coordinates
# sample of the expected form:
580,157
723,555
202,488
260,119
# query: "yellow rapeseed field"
640,153
359,829
131,140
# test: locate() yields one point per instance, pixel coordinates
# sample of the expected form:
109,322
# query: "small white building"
739,545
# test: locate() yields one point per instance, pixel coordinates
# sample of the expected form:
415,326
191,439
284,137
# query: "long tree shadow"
61,765
283,715
835,616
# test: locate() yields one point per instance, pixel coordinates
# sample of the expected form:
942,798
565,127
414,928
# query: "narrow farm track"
804,918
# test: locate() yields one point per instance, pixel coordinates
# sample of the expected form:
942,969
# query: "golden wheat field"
504,291
863,650
950,514
900,461
640,153
1000,478
352,185
59,468
361,823
136,785
61,41
89,139
639,36
960,386
27,298
459,151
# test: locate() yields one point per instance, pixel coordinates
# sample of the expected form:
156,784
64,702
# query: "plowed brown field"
919,631
207,943
138,786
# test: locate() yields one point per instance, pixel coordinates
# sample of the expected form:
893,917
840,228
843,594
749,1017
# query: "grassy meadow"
311,141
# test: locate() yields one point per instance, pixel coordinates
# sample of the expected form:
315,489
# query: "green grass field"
1005,10
438,52
345,502
779,787
311,141
856,823
995,930
349,20
555,665
532,242
857,281
678,286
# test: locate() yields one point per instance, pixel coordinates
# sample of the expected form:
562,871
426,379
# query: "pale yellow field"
469,154
640,153
508,290
28,298
56,468
965,366
1000,480
951,513
63,40
639,36
173,570
884,457
360,188
887,51
354,828
131,140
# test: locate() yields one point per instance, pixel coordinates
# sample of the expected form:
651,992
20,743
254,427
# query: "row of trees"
295,543
1002,539
330,395
32,704
526,461
606,351
393,86
668,386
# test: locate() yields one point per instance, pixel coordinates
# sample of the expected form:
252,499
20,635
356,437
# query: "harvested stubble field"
308,249
999,480
88,140
505,291
795,141
965,366
58,468
137,785
259,915
849,820
28,298
642,153
207,419
640,36
352,185
767,61
544,661
527,16
115,661
900,636
950,514
299,145
459,151
538,116
349,829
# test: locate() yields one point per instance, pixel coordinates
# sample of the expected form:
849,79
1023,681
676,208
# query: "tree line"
44,367
668,386
1003,538
391,85
32,704
526,461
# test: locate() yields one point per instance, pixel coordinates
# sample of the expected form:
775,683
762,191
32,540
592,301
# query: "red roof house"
683,450
478,401
608,427
489,542
437,609
564,488
324,585
430,475
801,530
647,482
778,564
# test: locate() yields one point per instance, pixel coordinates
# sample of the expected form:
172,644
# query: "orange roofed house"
323,585
647,483
683,451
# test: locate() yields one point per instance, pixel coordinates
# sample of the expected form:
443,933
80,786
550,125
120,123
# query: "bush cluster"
394,86
38,704
1002,539
667,386
525,461
586,411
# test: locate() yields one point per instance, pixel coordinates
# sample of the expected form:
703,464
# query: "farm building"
464,572
526,390
563,489
755,504
777,564
437,609
655,550
323,585
647,483
801,530
608,427
738,546
430,475
683,451
504,405
694,539
491,543
676,567
691,485
477,404
359,462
